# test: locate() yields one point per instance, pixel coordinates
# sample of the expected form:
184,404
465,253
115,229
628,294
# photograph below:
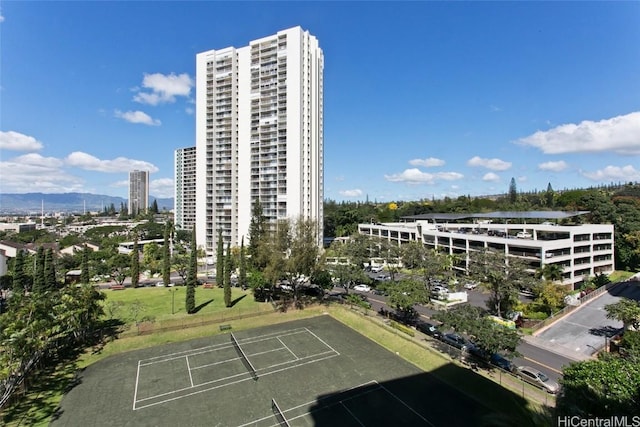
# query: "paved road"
586,330
546,360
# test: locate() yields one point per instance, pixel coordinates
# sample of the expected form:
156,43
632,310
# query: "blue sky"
422,99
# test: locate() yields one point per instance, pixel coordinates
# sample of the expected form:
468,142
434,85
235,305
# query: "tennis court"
312,372
178,375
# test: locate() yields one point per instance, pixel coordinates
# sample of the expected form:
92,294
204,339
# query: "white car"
376,269
362,288
470,285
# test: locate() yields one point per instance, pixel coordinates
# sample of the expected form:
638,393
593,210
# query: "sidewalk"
555,348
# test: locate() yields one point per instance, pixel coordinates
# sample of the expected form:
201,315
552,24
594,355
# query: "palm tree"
550,272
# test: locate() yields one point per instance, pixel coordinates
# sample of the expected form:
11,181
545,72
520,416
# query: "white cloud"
16,141
615,173
427,163
1,18
118,165
619,134
493,164
137,117
491,177
32,172
36,160
416,176
161,187
495,108
164,88
558,166
521,179
351,193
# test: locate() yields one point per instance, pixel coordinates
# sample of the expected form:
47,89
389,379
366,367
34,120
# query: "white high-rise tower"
138,192
259,135
185,188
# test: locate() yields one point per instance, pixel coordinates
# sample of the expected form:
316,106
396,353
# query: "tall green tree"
192,275
166,254
548,196
38,274
257,233
151,256
304,253
242,274
601,388
180,261
626,311
85,276
119,267
50,280
487,335
513,191
20,279
220,260
135,263
228,260
502,279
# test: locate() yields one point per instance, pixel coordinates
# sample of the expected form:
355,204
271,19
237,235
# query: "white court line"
189,370
322,341
223,385
212,348
216,363
300,358
352,414
216,347
285,346
196,386
408,407
135,394
194,393
310,403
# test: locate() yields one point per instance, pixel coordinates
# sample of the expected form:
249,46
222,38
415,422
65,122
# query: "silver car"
537,378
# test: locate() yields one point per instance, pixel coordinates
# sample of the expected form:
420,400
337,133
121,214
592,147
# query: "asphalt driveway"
585,331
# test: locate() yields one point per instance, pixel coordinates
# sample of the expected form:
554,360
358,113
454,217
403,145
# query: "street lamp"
173,299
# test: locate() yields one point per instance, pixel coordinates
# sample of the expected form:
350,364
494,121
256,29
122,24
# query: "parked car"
537,378
502,362
428,328
376,269
362,288
456,341
523,235
383,277
470,285
440,292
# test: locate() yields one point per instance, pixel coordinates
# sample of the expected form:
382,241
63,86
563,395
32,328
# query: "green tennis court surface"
320,372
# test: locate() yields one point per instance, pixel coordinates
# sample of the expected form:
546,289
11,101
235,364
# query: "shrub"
399,326
536,315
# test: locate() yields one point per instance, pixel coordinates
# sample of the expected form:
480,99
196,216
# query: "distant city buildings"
138,192
259,135
185,188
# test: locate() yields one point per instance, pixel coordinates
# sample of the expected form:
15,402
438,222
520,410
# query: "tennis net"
244,358
279,415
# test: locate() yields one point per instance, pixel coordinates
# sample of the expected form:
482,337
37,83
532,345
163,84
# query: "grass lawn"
166,305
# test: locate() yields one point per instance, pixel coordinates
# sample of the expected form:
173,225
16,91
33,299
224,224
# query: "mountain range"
24,203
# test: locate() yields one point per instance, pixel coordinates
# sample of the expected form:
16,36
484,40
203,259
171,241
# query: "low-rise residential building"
581,250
